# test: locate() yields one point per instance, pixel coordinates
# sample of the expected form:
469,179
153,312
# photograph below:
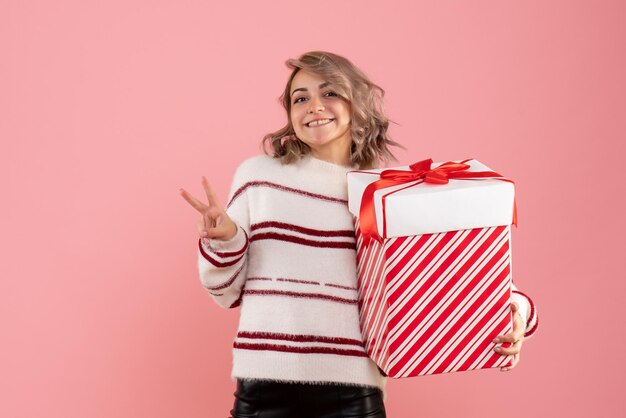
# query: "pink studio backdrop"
107,108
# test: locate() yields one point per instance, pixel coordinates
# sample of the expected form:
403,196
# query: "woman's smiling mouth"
319,122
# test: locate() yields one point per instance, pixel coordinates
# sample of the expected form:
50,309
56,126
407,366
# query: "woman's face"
313,99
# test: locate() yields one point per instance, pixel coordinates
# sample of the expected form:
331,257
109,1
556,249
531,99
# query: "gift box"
434,265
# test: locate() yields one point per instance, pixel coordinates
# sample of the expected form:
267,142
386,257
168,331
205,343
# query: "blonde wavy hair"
370,141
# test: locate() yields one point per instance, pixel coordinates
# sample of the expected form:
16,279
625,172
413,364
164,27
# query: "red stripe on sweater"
227,282
236,303
303,230
231,253
255,292
533,329
302,241
299,338
285,189
214,261
301,350
340,286
280,279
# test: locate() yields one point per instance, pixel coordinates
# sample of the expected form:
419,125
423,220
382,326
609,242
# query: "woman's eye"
328,92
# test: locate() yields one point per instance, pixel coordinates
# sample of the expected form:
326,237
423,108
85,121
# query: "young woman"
284,250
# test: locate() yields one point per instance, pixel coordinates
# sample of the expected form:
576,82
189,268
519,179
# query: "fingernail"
498,349
203,233
495,340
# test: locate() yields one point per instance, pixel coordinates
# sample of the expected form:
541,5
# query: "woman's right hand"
214,222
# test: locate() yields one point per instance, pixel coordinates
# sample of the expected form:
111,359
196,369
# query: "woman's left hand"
515,337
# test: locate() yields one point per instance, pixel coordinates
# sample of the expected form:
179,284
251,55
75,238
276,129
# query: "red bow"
419,170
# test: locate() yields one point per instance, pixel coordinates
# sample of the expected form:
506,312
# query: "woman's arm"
222,264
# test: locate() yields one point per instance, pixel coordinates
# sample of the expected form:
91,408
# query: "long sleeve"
527,310
223,264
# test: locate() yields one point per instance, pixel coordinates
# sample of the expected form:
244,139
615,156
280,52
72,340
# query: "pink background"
107,109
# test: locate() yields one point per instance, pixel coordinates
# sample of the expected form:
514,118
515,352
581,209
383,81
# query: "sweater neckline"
327,165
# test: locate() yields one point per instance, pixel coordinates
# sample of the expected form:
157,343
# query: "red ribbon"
419,170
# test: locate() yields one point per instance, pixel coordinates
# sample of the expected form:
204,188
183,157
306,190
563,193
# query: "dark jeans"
264,399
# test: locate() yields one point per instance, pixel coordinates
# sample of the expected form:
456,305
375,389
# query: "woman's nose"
315,105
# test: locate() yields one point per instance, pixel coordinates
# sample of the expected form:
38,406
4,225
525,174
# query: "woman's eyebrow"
321,86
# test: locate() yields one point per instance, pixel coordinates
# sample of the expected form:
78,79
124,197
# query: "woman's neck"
337,158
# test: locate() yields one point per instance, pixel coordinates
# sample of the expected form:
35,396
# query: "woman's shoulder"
256,165
256,160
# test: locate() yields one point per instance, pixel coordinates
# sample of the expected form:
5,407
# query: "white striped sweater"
292,269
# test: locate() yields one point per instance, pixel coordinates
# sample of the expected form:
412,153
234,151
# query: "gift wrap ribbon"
419,170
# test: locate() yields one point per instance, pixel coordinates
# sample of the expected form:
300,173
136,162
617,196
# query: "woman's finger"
217,232
514,363
198,205
515,335
209,193
518,328
210,217
507,351
208,222
221,230
200,225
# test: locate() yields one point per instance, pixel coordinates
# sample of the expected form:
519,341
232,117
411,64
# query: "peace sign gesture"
214,222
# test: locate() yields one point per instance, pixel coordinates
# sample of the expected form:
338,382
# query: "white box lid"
431,208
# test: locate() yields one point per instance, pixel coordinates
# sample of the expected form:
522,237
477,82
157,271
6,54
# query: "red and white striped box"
435,279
